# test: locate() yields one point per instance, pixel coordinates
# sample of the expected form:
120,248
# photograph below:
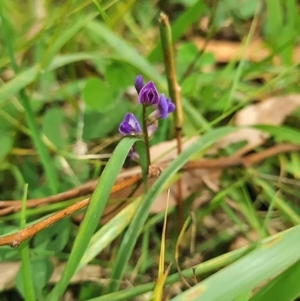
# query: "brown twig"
130,178
82,190
16,238
246,161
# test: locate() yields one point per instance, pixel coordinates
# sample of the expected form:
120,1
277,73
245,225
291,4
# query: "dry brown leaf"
272,111
225,51
9,270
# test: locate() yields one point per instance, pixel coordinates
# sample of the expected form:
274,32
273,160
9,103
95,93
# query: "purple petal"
171,106
163,106
148,95
130,125
139,83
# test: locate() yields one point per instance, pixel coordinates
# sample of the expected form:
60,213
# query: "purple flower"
164,107
139,83
148,95
130,125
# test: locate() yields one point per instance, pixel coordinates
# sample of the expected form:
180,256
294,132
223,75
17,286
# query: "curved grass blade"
281,133
28,76
110,231
18,83
128,53
63,36
92,215
141,215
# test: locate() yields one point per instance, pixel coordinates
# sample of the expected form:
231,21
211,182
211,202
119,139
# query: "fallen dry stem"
15,239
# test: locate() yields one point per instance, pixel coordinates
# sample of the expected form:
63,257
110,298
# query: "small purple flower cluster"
147,96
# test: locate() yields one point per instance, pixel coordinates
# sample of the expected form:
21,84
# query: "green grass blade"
285,287
25,260
281,133
140,217
110,231
281,204
92,215
62,60
29,75
128,53
19,82
44,155
276,254
200,269
30,118
64,36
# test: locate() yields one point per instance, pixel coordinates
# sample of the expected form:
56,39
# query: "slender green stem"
174,90
29,115
167,48
146,136
26,270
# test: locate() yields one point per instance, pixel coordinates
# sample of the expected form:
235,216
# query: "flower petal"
163,106
148,95
171,106
130,125
139,83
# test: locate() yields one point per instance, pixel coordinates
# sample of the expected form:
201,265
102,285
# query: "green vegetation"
67,73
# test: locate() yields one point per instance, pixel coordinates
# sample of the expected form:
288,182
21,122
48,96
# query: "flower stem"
174,91
146,136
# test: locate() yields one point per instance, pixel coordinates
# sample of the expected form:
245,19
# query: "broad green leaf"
6,143
55,127
98,95
55,237
98,125
41,271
